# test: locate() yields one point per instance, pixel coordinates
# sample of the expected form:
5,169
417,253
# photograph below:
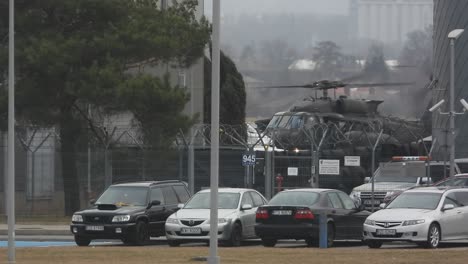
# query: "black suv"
131,212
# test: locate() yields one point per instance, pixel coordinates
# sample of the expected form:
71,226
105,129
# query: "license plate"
190,231
376,202
95,228
282,212
386,232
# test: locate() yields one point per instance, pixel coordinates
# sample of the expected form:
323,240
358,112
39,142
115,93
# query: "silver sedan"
426,216
236,217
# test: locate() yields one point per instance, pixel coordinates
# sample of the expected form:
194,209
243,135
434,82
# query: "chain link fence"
283,159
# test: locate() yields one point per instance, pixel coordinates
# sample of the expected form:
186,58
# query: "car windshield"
294,198
395,178
202,201
453,182
124,196
416,200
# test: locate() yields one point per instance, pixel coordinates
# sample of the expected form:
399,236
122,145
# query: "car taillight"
262,214
304,214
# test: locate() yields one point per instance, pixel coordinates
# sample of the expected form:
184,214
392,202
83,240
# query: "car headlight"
413,222
369,222
77,218
172,221
121,218
222,220
355,195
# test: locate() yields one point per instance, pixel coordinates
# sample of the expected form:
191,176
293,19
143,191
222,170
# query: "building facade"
450,15
389,21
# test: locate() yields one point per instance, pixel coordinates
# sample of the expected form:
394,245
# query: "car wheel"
374,244
173,243
141,236
236,235
82,241
433,236
268,242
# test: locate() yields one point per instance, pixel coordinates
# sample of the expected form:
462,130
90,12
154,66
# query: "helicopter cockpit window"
284,121
274,121
295,122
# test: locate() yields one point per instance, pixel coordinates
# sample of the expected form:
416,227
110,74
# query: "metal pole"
452,107
191,163
89,158
215,70
11,137
373,168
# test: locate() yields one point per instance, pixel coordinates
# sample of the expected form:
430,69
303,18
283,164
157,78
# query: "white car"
236,217
426,216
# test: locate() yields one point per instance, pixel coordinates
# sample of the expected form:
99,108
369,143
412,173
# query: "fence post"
323,232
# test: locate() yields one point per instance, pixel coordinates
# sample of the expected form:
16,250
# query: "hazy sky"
280,6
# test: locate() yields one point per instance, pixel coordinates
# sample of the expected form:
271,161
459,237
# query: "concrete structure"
449,15
389,21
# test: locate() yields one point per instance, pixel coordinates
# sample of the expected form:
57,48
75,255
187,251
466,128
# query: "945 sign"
248,159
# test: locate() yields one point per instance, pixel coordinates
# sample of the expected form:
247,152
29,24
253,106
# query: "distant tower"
389,21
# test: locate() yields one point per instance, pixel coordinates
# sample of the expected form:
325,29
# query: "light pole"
453,35
10,190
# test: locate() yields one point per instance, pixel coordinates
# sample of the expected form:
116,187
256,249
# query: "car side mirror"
424,180
246,207
154,202
180,206
448,207
366,179
382,205
92,201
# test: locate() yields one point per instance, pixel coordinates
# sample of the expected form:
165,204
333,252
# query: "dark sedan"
294,214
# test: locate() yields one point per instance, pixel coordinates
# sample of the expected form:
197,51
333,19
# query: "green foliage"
157,106
74,53
328,57
232,93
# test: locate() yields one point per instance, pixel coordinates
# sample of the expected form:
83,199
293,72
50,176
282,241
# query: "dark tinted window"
182,192
415,200
257,199
462,198
347,202
156,194
335,200
201,200
437,172
169,195
451,199
463,166
294,198
247,199
124,196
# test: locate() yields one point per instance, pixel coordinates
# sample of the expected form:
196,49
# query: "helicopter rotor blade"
396,84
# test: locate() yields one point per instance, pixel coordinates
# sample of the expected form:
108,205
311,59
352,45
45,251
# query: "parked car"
402,173
458,180
426,216
131,212
294,214
236,217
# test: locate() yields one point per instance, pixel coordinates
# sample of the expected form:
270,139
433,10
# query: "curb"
38,232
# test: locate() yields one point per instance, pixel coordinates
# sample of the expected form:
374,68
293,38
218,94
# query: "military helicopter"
342,126
363,114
